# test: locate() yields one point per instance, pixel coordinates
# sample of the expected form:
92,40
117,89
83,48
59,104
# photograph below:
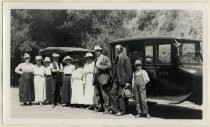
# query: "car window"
164,54
149,55
189,54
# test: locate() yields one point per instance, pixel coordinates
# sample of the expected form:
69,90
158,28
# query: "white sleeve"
133,81
146,77
18,68
61,66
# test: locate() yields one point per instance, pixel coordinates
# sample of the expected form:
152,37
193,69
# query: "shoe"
53,106
120,113
24,104
138,116
30,103
99,109
148,116
40,103
107,112
89,107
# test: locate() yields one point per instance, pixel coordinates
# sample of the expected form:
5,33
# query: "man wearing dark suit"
102,77
122,79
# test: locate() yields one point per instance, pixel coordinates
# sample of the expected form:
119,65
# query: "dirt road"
157,111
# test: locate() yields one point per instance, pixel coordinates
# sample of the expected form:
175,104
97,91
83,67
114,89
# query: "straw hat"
55,55
128,93
47,59
87,55
26,55
67,58
138,62
38,58
97,48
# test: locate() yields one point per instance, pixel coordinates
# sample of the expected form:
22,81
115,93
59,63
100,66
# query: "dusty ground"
157,111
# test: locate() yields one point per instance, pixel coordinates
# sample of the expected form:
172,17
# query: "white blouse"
68,69
39,70
88,68
48,69
77,74
25,67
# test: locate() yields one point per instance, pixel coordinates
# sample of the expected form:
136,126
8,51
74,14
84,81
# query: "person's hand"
127,85
60,70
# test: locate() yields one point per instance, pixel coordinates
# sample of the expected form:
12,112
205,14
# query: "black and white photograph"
105,64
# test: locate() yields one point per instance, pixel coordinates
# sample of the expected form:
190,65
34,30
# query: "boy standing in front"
140,79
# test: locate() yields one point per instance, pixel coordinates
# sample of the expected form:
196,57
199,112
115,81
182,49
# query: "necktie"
116,60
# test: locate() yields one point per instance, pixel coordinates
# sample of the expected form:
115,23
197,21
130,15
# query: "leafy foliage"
34,29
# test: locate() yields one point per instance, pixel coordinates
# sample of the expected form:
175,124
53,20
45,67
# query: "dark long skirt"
26,88
50,88
66,90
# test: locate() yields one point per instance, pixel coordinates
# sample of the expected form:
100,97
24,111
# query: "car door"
164,70
149,66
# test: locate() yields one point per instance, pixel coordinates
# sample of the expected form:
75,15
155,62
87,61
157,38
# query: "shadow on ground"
169,111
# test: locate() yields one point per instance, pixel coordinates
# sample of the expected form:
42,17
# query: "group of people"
98,85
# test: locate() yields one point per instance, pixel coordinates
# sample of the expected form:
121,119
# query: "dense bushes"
35,29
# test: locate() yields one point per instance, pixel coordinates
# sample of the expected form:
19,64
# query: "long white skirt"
77,92
39,88
89,90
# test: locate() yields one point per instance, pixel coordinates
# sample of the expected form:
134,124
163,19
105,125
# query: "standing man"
102,77
122,79
57,76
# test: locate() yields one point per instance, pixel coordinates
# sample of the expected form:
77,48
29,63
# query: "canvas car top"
50,50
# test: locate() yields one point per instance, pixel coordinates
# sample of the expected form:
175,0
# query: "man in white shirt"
57,76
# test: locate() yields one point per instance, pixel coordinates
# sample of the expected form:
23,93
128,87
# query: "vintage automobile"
174,66
74,52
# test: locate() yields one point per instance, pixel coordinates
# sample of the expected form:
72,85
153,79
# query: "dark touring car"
174,66
74,52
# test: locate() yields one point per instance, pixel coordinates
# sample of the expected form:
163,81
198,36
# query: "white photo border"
7,6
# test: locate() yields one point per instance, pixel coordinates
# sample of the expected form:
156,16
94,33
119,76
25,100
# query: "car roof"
154,38
50,50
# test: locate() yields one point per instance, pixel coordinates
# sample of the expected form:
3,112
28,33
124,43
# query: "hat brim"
88,56
38,59
55,56
26,57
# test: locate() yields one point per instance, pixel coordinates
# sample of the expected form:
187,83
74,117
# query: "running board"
168,99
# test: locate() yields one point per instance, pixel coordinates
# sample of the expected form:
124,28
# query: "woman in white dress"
26,86
77,85
39,81
88,79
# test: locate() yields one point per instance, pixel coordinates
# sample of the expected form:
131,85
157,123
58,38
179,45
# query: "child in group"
140,79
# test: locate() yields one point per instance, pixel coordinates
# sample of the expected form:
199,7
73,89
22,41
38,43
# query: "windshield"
189,53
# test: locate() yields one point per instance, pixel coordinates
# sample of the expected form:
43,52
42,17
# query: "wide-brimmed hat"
137,62
26,55
88,55
55,55
38,57
128,93
67,58
75,60
47,59
97,48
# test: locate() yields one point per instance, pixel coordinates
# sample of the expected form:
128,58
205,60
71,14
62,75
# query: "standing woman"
26,86
50,84
77,85
66,88
88,79
39,81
